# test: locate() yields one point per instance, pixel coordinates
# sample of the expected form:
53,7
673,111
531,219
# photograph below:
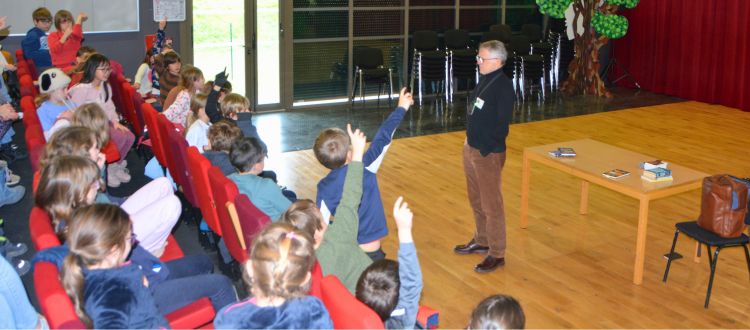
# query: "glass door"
245,37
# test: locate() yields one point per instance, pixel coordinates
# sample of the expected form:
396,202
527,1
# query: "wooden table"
594,158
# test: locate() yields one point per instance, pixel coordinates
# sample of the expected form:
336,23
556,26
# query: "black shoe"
489,264
471,247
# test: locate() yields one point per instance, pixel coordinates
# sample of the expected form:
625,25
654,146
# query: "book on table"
661,179
563,152
656,173
616,173
658,163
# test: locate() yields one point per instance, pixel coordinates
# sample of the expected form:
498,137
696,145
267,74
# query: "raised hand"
3,20
358,140
163,23
404,219
405,99
82,17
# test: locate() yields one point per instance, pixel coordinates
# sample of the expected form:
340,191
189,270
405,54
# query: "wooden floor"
568,270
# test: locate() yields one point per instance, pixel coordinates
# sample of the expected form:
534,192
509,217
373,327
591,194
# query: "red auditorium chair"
177,159
198,167
129,108
110,152
157,144
346,311
26,84
19,55
248,218
224,191
40,228
32,69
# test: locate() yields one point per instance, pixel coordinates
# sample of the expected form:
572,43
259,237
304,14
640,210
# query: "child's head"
247,155
72,141
53,85
191,79
498,312
83,54
62,19
96,69
172,63
65,184
149,59
92,115
222,134
378,287
332,148
306,217
225,90
100,236
280,262
232,104
42,18
198,108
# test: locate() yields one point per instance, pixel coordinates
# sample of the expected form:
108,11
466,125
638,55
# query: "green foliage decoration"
610,26
554,8
629,4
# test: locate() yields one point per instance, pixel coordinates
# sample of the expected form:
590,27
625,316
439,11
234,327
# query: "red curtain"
694,49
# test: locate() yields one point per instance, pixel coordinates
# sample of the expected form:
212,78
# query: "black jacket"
487,128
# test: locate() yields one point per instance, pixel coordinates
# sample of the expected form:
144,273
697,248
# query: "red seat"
129,109
316,277
26,86
35,145
117,93
172,251
60,312
177,156
250,219
32,70
40,228
157,144
35,182
343,306
19,55
224,191
198,167
110,152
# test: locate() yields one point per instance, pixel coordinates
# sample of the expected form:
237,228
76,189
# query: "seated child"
35,45
198,123
53,103
236,107
336,244
67,38
221,135
247,155
177,104
392,289
332,150
279,268
107,291
497,312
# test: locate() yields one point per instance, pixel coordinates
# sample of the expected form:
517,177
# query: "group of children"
109,261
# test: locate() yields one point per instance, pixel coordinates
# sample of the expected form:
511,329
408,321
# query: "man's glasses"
481,60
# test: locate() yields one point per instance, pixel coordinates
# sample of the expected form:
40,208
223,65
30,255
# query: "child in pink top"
64,43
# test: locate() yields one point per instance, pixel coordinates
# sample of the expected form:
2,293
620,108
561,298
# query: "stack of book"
563,152
657,174
654,164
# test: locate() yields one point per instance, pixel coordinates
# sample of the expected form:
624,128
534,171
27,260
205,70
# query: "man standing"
484,155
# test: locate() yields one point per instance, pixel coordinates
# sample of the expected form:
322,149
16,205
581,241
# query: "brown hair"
305,216
96,231
61,16
70,141
331,147
281,259
222,134
63,186
92,115
232,104
41,13
498,312
246,152
197,103
378,287
188,77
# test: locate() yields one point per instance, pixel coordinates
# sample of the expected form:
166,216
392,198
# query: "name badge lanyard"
481,91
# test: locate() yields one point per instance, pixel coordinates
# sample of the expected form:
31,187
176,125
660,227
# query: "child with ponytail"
108,292
278,271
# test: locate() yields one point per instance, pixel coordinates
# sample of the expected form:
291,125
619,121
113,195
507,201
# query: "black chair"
368,68
429,63
709,239
530,68
462,63
504,31
540,46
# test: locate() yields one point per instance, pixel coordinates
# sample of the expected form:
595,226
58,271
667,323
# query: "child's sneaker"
21,266
11,250
12,195
11,179
113,180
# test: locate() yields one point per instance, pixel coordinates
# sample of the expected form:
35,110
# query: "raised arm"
382,140
409,271
346,222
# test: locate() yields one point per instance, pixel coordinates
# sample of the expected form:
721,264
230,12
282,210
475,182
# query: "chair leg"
713,271
671,252
747,257
354,90
390,88
362,89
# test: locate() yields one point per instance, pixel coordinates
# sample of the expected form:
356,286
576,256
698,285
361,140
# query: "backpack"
724,203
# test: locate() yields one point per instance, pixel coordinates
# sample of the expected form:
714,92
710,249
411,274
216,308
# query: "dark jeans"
190,278
484,185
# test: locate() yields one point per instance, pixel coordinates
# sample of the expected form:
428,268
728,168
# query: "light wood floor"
568,270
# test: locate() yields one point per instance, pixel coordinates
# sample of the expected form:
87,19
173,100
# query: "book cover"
616,173
567,152
658,163
657,173
661,179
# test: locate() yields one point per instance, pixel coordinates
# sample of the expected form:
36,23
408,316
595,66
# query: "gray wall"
126,47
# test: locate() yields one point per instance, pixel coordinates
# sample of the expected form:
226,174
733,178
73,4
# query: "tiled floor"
296,130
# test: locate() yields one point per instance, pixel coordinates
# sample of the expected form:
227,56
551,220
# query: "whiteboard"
172,10
104,15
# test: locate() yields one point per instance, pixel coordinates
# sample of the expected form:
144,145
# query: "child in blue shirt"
332,150
35,45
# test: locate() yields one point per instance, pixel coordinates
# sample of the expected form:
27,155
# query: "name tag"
479,103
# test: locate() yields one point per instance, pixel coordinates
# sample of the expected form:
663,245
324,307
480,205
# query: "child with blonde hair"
198,123
278,273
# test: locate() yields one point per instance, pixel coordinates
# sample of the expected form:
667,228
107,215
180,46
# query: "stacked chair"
543,47
429,63
462,62
529,68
